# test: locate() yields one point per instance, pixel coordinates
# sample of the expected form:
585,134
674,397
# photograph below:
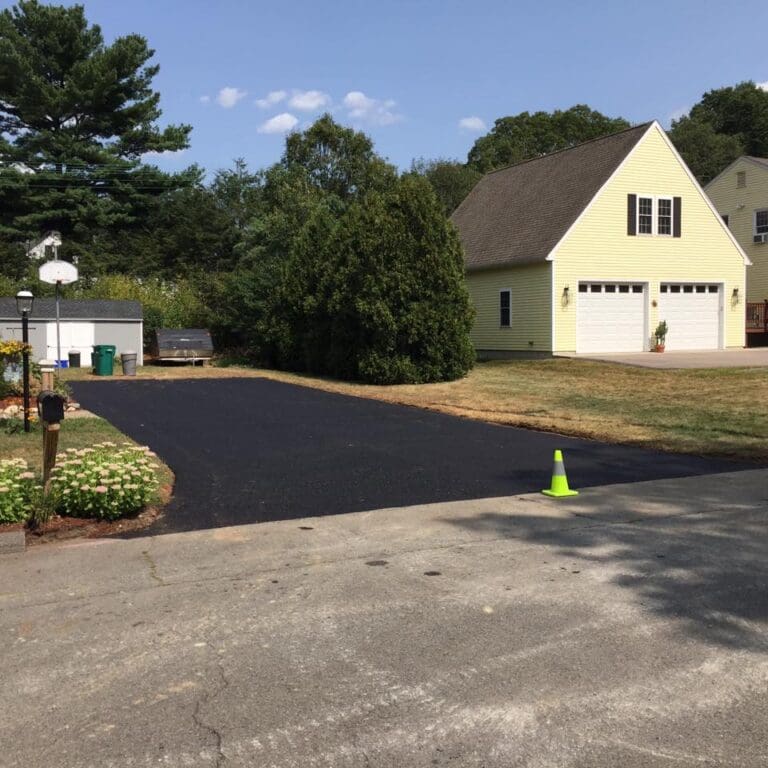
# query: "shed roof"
517,215
76,309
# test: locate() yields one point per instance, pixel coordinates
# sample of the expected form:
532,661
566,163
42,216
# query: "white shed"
84,322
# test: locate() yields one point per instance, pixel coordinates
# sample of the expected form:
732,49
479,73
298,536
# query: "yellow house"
588,249
740,194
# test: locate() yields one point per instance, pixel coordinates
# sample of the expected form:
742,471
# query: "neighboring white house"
46,247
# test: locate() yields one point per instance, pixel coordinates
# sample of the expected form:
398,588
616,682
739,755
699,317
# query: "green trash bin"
104,359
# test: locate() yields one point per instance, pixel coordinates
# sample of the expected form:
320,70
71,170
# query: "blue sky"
409,73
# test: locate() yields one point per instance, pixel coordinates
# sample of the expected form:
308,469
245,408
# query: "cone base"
559,494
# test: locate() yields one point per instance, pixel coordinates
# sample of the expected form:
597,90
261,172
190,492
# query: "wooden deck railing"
757,317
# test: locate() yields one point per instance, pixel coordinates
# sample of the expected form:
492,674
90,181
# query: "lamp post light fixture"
24,303
566,300
735,296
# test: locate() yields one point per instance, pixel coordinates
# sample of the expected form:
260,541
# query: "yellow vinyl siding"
531,310
728,198
599,248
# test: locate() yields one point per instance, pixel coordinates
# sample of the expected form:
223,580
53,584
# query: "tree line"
330,261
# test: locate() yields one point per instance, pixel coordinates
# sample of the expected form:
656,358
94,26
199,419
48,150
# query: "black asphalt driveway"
255,450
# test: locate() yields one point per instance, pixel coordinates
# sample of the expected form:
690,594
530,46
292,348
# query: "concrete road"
627,627
254,450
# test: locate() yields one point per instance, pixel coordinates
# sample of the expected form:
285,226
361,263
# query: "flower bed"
17,490
105,481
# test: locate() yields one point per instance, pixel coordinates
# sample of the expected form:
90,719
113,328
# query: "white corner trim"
703,194
552,332
597,194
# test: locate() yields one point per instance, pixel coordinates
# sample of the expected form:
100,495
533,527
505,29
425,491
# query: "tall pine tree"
76,117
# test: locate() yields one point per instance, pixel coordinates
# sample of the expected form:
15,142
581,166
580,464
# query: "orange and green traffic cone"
559,480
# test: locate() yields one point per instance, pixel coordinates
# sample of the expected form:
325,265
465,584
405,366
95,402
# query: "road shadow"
702,562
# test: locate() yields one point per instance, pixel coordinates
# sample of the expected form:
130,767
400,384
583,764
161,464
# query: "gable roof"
75,309
517,215
761,162
758,160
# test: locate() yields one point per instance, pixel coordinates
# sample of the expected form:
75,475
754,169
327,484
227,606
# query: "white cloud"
308,101
764,85
374,111
472,124
165,153
229,96
272,98
281,123
205,99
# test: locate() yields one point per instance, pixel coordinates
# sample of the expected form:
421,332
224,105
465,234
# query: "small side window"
741,179
505,308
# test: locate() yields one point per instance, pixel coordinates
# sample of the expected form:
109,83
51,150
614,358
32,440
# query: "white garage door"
610,317
692,312
75,337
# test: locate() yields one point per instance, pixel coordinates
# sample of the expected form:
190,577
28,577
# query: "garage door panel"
610,317
693,315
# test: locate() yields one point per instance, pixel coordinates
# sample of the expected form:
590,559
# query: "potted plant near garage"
660,337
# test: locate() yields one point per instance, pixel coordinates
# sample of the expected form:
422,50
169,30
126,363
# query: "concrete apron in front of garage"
626,626
717,358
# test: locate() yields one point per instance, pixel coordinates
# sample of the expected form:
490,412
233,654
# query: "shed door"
610,317
75,337
693,312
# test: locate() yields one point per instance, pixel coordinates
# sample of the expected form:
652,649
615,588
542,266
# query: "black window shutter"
631,214
677,207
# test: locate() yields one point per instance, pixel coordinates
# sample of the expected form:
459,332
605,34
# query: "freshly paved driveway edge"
257,450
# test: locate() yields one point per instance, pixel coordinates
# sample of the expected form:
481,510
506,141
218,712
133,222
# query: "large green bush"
377,294
354,271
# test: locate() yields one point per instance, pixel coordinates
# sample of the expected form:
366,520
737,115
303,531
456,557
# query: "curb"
12,542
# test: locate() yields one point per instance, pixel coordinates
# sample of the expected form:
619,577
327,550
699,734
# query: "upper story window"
664,216
654,215
645,215
761,222
741,179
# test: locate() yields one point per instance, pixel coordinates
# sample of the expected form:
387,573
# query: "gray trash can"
129,363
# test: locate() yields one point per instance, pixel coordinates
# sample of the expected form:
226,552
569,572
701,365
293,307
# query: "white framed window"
664,216
761,222
655,215
644,215
505,307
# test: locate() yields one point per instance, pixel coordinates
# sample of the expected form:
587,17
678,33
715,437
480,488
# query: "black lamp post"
24,302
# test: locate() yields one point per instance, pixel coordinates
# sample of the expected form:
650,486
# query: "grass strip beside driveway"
74,433
713,412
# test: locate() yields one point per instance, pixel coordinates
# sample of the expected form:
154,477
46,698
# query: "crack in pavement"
153,568
206,698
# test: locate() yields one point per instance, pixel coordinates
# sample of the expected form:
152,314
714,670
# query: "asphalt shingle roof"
76,309
517,215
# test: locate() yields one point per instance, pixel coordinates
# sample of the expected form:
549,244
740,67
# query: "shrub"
104,481
17,490
378,294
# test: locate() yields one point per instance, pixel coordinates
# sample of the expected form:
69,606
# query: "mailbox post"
50,408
